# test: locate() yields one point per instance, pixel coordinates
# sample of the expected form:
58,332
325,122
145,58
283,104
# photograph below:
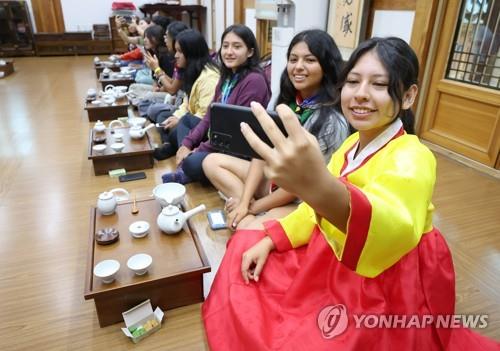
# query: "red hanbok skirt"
307,300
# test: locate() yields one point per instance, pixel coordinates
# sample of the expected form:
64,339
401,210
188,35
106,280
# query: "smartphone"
216,219
132,176
225,131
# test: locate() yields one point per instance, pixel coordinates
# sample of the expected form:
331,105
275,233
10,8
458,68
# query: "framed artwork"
347,23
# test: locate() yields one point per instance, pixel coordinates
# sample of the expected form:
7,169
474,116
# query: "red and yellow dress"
390,262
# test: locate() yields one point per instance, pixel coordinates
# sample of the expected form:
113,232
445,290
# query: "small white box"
138,316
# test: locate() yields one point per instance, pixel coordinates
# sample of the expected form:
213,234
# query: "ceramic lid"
170,210
99,123
139,227
106,195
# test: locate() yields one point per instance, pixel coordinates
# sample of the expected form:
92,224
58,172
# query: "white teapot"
118,122
117,92
136,132
107,201
172,219
99,126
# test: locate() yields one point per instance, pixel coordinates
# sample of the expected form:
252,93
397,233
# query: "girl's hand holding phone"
286,162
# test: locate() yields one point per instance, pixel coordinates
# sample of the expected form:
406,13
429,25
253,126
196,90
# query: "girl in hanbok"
361,247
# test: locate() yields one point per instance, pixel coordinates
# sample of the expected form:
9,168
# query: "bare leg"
275,213
226,173
246,221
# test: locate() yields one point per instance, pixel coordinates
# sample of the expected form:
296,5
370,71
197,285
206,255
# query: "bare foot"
231,204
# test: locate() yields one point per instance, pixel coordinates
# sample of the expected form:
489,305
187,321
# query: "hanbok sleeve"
389,210
293,230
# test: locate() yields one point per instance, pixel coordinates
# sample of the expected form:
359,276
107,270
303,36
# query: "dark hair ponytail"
195,50
401,63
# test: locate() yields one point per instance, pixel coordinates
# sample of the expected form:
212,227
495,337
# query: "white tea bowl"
108,99
137,121
99,149
117,147
106,270
140,263
121,88
169,193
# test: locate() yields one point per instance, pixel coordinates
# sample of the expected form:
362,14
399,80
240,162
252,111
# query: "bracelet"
157,69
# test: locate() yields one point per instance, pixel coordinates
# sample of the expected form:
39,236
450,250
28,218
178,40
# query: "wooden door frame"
437,83
238,11
422,33
43,11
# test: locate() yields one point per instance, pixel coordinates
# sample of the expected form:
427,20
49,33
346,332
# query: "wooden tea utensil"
135,210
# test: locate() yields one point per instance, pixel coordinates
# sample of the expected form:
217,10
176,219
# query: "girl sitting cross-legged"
200,78
242,81
158,111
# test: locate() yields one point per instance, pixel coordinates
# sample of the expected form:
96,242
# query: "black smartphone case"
132,176
225,131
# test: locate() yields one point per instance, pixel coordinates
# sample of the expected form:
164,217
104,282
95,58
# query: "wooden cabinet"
77,43
16,34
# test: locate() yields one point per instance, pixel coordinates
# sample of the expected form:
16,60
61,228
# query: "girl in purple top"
242,81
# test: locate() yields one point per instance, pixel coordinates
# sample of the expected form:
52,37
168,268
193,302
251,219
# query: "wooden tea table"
114,81
100,66
137,154
174,279
8,67
105,112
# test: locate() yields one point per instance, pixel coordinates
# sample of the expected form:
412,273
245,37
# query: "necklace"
227,88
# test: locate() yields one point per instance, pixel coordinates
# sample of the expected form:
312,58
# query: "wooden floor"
47,186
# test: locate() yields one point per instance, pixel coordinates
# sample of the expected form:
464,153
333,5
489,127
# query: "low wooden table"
107,112
137,154
8,68
114,81
175,278
99,67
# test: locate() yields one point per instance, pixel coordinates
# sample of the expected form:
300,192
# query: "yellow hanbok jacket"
201,96
390,183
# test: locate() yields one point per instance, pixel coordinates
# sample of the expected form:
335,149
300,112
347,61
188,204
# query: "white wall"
80,15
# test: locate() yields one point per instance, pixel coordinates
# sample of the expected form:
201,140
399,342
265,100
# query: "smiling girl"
361,243
242,81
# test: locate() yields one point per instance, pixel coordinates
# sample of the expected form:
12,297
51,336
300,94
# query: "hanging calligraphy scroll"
347,22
